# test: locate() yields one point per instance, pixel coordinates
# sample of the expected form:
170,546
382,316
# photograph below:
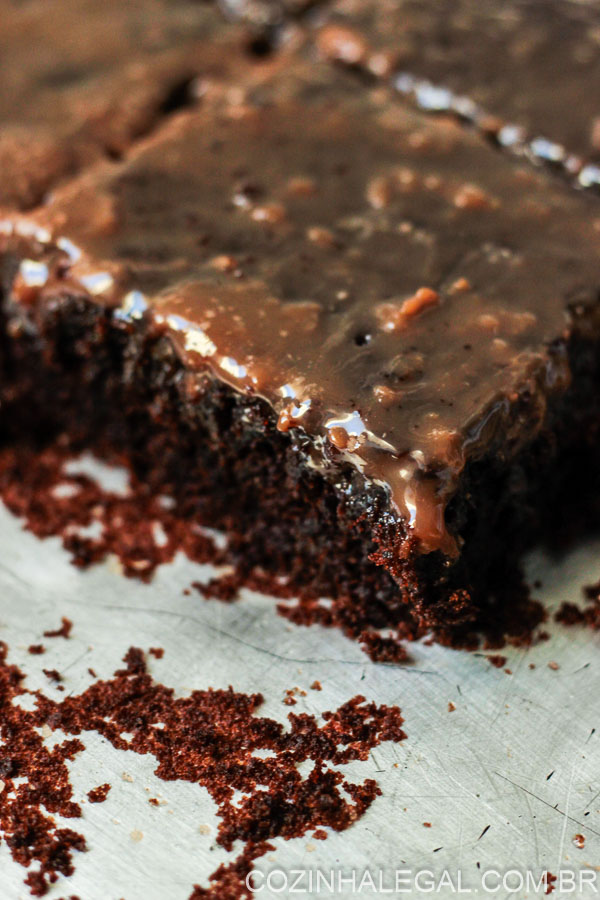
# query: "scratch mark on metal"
564,828
545,803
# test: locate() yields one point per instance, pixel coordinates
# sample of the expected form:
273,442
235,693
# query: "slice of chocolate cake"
357,338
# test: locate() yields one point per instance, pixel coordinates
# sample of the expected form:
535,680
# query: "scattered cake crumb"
132,703
570,614
383,649
64,631
497,660
223,587
52,674
99,794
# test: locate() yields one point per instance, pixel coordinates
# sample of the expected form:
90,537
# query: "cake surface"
516,70
375,307
521,60
83,80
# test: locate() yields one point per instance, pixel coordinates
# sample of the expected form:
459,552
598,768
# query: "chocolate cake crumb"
383,649
224,587
554,666
579,841
64,630
570,614
27,808
291,694
316,686
36,649
99,794
592,591
128,523
451,706
135,662
52,674
200,734
426,824
157,652
497,660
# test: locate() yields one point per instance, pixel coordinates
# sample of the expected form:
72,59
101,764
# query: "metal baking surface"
506,779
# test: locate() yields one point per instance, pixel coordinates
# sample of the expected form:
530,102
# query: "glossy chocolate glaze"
530,67
82,79
266,15
386,281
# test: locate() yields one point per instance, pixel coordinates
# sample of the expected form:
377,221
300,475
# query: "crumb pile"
210,738
572,614
139,528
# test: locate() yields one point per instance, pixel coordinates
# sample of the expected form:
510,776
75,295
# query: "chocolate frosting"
82,79
526,63
388,282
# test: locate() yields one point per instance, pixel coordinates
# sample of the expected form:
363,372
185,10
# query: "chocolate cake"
82,80
358,339
517,63
526,73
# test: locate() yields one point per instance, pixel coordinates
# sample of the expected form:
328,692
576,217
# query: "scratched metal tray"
506,779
